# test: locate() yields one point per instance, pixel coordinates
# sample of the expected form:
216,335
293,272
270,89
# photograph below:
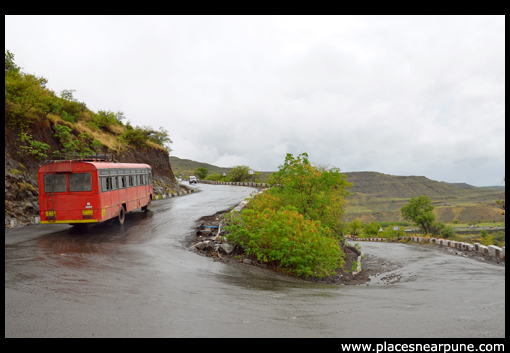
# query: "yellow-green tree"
318,194
354,228
420,211
239,173
294,226
201,172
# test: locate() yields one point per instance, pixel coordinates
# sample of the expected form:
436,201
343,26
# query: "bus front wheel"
122,215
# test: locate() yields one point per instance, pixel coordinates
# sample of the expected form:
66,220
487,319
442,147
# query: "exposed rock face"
21,194
21,186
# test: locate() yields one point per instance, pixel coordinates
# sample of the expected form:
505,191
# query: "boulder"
227,248
213,246
202,245
205,232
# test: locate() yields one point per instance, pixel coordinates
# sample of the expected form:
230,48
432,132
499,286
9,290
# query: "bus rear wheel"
147,207
122,215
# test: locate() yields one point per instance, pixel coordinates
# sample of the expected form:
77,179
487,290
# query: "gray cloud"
398,95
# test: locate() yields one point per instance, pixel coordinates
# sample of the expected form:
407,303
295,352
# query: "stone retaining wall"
187,190
491,250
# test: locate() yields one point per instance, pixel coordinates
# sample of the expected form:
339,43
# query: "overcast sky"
394,94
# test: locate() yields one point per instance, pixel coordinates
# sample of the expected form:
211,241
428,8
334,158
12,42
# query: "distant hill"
385,185
460,185
187,167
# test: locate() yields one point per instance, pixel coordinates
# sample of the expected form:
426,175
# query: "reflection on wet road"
140,280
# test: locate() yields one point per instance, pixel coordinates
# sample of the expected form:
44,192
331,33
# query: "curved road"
140,280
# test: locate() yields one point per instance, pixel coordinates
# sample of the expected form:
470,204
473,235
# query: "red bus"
80,191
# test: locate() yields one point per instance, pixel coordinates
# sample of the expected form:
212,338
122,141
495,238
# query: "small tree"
371,229
201,172
420,211
32,147
354,228
317,194
10,67
447,232
389,232
437,228
214,177
239,173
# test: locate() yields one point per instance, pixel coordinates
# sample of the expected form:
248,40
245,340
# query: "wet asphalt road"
140,280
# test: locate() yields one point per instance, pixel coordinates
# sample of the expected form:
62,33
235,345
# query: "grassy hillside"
31,107
379,197
187,167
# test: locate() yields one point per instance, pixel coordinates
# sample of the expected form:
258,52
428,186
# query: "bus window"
130,180
122,182
55,183
114,182
80,182
106,184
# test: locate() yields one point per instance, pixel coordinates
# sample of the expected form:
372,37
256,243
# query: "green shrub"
76,146
447,232
317,194
215,177
135,137
487,240
104,119
201,172
68,117
138,136
238,173
295,225
72,108
389,233
32,147
288,241
371,230
354,228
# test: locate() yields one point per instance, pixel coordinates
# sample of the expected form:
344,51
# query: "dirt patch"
209,242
